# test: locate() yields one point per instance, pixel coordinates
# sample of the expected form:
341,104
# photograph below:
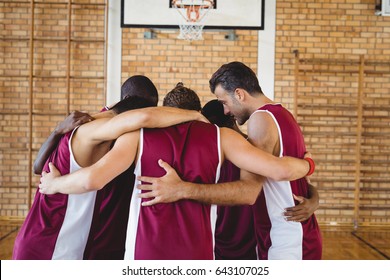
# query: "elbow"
92,183
251,200
245,200
253,193
37,170
37,167
146,119
285,175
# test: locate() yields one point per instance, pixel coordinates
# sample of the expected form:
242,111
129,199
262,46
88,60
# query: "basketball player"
175,230
234,234
106,239
107,236
235,237
272,128
135,86
57,227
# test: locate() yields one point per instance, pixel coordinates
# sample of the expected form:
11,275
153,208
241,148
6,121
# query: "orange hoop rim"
179,4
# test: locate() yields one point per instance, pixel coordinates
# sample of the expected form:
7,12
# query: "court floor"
339,243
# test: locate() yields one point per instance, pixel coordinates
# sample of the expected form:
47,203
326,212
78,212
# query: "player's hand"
165,189
74,119
302,211
47,185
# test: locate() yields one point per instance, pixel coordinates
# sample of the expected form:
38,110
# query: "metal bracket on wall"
231,36
151,34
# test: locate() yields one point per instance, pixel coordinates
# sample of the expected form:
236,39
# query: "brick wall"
330,36
66,48
328,30
168,61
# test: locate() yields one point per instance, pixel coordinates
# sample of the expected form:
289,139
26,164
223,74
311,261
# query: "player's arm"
170,188
313,194
151,117
247,157
96,176
305,208
245,191
74,119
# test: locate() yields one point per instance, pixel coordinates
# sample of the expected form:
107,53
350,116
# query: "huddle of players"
106,227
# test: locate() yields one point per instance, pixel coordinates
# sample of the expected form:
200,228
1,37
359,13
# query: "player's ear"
239,93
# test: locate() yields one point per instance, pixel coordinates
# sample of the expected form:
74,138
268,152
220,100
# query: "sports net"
192,17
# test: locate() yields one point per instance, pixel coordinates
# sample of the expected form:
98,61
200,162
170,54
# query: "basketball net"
192,17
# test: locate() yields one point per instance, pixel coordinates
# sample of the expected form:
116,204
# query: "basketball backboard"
226,14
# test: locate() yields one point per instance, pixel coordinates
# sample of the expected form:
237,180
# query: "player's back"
184,229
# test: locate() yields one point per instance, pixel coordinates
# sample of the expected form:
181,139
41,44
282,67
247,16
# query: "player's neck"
258,101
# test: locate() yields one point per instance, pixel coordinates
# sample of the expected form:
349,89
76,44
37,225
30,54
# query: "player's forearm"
74,183
168,116
313,196
233,193
278,169
45,151
292,169
153,117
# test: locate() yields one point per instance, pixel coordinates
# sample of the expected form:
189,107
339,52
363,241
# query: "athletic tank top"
57,225
73,235
184,229
38,234
234,234
276,237
109,224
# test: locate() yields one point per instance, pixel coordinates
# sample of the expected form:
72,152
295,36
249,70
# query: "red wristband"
312,166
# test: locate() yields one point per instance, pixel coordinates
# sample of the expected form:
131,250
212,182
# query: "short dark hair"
182,97
235,75
131,103
140,86
213,111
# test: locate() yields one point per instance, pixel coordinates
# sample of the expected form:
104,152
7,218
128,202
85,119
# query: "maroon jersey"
234,233
180,230
57,225
37,237
109,224
276,237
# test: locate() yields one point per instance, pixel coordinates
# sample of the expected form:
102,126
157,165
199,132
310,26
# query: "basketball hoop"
192,17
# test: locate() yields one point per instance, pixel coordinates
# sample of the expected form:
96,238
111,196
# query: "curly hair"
182,97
